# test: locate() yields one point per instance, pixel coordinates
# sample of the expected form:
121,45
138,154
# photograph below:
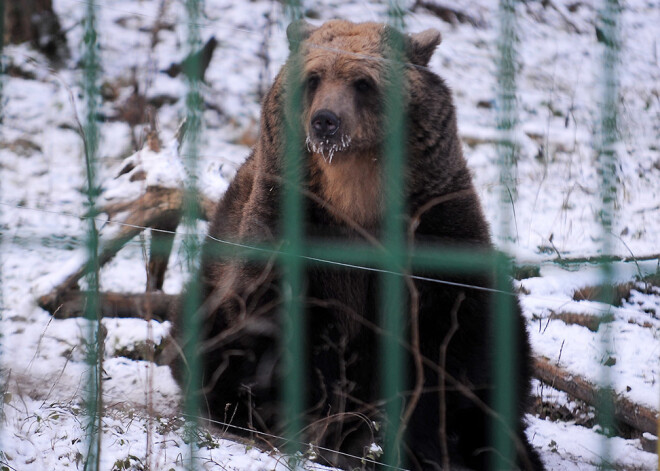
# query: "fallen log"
601,259
448,14
634,415
151,305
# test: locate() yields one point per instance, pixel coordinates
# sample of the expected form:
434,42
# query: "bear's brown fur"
343,70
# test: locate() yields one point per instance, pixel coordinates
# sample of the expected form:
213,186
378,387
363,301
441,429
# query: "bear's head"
342,69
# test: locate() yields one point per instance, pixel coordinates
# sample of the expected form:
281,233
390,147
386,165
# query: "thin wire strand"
219,24
235,165
321,260
152,17
287,440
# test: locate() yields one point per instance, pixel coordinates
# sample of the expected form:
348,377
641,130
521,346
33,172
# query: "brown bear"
342,69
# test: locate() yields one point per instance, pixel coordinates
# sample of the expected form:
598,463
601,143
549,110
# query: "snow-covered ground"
43,423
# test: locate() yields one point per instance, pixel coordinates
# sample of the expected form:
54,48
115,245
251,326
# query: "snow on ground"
43,423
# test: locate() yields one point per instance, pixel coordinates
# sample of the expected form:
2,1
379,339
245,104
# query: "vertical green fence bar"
92,309
606,141
192,298
293,388
391,285
504,321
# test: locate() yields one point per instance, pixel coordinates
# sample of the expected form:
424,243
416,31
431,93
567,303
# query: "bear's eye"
363,85
313,82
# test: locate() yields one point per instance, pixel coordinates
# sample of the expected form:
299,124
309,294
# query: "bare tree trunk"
159,209
35,21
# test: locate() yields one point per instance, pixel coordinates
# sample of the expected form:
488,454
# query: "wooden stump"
35,21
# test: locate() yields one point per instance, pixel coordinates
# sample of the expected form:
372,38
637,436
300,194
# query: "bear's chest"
341,302
351,186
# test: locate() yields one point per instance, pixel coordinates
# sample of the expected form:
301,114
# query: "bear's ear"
420,46
297,32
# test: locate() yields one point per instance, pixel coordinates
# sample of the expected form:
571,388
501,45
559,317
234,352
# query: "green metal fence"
394,261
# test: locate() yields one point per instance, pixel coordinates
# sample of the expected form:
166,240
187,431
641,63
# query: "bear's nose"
325,123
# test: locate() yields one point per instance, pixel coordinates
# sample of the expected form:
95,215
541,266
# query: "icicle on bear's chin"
326,146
